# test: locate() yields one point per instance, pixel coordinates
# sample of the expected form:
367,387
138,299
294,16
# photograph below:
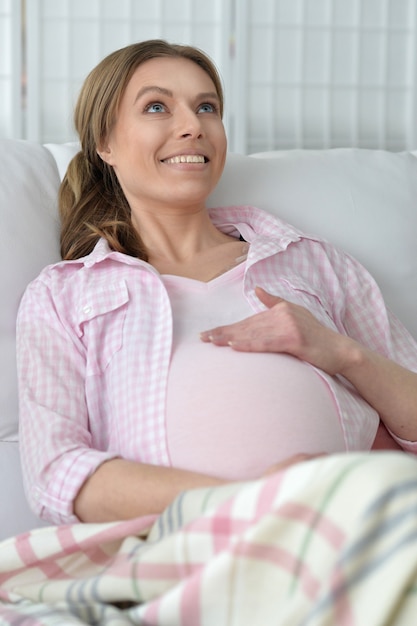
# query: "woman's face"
168,144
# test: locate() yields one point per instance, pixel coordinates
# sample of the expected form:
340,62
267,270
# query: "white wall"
297,73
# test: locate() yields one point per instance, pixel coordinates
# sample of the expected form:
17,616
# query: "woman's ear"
105,153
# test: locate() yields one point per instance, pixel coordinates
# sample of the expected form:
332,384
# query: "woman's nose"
188,123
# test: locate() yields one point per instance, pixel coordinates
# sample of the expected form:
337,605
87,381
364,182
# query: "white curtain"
297,73
11,87
329,73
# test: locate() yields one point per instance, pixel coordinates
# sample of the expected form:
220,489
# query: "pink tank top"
233,414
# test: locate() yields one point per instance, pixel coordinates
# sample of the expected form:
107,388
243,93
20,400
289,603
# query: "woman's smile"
186,158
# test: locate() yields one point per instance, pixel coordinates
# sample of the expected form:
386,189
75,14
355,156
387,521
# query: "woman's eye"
207,107
155,107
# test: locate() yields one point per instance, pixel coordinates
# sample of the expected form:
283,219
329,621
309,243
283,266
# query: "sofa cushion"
29,240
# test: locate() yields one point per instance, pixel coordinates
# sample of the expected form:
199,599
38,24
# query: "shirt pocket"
102,318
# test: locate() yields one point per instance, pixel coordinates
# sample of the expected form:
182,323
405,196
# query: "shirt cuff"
66,476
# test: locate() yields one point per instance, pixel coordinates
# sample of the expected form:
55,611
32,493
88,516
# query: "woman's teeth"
186,158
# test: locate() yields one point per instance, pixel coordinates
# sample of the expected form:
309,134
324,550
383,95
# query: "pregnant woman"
176,345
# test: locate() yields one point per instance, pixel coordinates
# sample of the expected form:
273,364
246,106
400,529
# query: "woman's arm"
121,489
388,387
285,327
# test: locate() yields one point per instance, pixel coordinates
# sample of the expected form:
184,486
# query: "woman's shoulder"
55,276
99,271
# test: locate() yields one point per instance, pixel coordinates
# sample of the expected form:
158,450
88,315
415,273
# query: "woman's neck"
178,237
187,245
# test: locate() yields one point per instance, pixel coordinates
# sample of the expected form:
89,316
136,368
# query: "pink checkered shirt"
94,346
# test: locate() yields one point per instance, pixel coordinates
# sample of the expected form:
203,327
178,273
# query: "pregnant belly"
234,414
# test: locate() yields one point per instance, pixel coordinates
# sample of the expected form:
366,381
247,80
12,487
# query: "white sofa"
362,200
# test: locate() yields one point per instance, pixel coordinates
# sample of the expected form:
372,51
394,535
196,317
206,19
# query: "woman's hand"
288,328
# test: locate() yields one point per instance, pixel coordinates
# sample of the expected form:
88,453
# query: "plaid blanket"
325,542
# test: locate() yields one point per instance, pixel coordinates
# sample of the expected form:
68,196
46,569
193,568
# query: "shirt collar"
255,225
102,251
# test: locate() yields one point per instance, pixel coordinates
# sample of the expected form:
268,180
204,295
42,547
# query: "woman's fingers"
287,328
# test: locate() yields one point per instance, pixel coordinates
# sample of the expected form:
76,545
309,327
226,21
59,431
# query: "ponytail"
92,205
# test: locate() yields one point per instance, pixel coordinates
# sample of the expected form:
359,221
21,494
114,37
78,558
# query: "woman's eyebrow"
208,94
167,92
154,88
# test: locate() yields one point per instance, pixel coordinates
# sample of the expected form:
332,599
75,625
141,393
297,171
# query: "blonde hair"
91,201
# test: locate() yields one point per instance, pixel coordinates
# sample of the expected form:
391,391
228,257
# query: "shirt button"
87,310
